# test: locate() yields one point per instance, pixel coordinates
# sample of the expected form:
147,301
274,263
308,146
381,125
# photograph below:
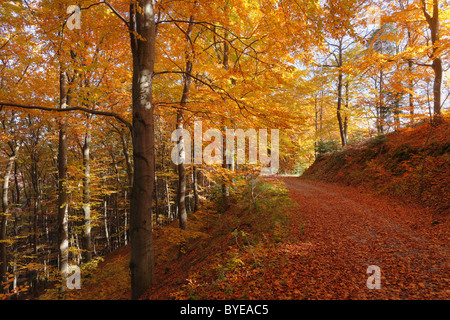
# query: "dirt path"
347,231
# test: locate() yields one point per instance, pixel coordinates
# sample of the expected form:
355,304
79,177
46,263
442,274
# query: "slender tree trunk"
129,166
316,127
347,104
142,22
125,221
225,191
35,200
411,89
15,247
105,223
86,206
187,80
339,111
4,215
16,184
380,111
339,98
169,207
63,214
195,187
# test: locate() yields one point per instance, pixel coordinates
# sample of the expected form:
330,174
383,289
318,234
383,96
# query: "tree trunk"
36,201
142,22
339,111
433,24
169,207
411,88
105,223
339,98
347,104
129,166
86,206
4,215
225,191
63,217
380,109
187,80
195,187
437,91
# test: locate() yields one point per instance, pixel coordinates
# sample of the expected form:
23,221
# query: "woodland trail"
347,230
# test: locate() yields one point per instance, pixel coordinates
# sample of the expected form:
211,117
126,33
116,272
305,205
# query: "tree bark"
195,187
339,97
36,202
142,22
411,95
4,215
86,206
129,166
433,25
63,216
380,108
187,80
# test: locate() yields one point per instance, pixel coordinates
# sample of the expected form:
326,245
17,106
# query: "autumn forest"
224,149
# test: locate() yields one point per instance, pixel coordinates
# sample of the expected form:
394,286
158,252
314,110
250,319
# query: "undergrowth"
212,259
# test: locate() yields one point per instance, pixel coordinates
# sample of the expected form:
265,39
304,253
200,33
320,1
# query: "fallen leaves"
350,231
328,241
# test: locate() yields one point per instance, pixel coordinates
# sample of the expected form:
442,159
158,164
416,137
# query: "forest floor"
317,247
335,234
349,230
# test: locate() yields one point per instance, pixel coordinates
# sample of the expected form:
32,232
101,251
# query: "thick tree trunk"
433,24
437,87
142,21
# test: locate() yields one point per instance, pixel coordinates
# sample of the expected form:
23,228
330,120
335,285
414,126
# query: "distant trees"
387,62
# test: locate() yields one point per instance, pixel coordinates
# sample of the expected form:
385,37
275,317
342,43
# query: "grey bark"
142,22
4,214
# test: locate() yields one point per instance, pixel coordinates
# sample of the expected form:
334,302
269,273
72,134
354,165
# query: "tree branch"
214,88
116,13
425,12
86,110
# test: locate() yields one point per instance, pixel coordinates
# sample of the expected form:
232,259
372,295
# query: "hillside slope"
412,164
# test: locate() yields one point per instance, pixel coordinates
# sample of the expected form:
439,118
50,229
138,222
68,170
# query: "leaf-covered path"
347,230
